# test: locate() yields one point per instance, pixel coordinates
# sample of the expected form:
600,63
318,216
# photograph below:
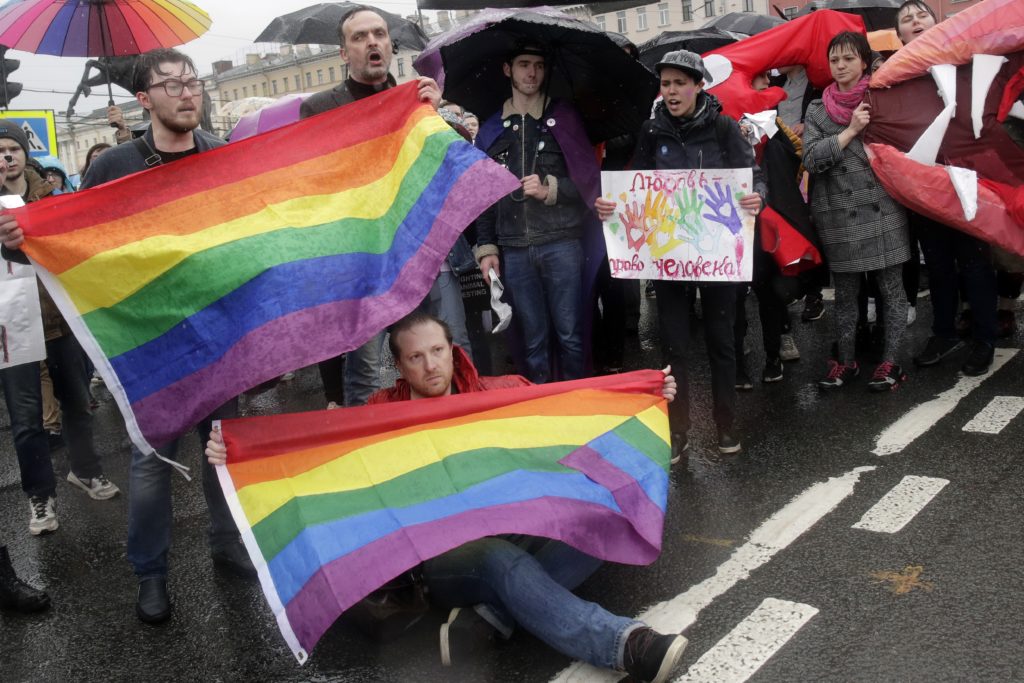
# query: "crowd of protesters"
532,240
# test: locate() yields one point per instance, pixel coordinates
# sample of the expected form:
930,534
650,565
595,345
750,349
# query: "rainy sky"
232,32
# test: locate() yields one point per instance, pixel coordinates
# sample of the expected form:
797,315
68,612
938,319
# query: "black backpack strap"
149,155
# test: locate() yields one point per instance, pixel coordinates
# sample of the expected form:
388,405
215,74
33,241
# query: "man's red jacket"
465,378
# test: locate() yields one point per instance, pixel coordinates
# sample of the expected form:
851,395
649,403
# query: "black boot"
15,594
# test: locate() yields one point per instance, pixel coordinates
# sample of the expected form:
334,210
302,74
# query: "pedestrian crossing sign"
40,129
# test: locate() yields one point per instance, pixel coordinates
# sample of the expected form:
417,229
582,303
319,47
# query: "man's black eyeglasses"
175,88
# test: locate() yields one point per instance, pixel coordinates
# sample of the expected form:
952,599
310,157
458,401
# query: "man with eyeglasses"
166,85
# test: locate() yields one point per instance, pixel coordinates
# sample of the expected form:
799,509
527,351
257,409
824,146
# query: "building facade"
643,22
293,69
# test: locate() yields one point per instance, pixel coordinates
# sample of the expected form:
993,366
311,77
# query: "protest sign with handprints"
679,225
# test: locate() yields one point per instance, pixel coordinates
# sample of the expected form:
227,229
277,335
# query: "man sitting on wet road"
509,580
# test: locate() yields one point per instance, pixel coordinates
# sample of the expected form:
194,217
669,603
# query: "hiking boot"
772,371
680,444
98,488
887,377
787,348
935,350
728,443
15,594
464,634
838,374
42,516
153,606
814,308
232,557
1006,324
743,382
979,359
651,656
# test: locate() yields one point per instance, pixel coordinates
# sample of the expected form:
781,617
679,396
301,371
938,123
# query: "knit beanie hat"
11,129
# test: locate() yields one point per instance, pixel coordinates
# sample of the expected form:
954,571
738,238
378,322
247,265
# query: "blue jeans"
534,589
149,502
23,394
351,378
544,281
444,301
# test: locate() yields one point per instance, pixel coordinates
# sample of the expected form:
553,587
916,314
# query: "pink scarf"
840,105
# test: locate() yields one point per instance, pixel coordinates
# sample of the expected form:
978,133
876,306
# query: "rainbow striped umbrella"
99,28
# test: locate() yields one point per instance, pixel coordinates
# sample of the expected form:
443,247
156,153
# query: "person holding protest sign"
689,131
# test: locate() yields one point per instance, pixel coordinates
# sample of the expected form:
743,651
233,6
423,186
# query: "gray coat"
861,227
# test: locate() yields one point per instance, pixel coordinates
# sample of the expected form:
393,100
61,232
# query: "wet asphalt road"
957,617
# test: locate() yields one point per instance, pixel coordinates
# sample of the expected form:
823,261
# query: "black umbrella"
611,90
747,23
700,41
877,14
624,43
318,25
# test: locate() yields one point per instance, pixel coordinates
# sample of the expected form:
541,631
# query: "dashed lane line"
754,641
775,534
921,418
994,417
901,504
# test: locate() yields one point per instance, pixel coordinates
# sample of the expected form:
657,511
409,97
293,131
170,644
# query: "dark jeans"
771,288
619,312
149,502
544,281
23,394
718,304
948,252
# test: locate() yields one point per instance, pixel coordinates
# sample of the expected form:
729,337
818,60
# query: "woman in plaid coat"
861,227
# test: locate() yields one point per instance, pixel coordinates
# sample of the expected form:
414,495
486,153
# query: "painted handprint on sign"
640,220
663,239
692,230
725,211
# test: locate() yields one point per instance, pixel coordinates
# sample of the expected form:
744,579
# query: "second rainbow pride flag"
332,504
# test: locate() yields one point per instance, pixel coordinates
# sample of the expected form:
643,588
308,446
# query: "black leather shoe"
233,558
153,605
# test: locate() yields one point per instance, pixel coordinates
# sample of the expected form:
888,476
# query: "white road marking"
777,532
999,412
901,504
923,417
754,641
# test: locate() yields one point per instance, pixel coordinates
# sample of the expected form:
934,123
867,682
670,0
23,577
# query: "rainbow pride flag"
192,282
333,504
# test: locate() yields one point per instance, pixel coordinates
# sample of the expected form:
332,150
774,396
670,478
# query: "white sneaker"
42,516
911,315
98,488
787,348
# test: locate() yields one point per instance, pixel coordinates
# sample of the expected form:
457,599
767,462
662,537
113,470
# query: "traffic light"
8,90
